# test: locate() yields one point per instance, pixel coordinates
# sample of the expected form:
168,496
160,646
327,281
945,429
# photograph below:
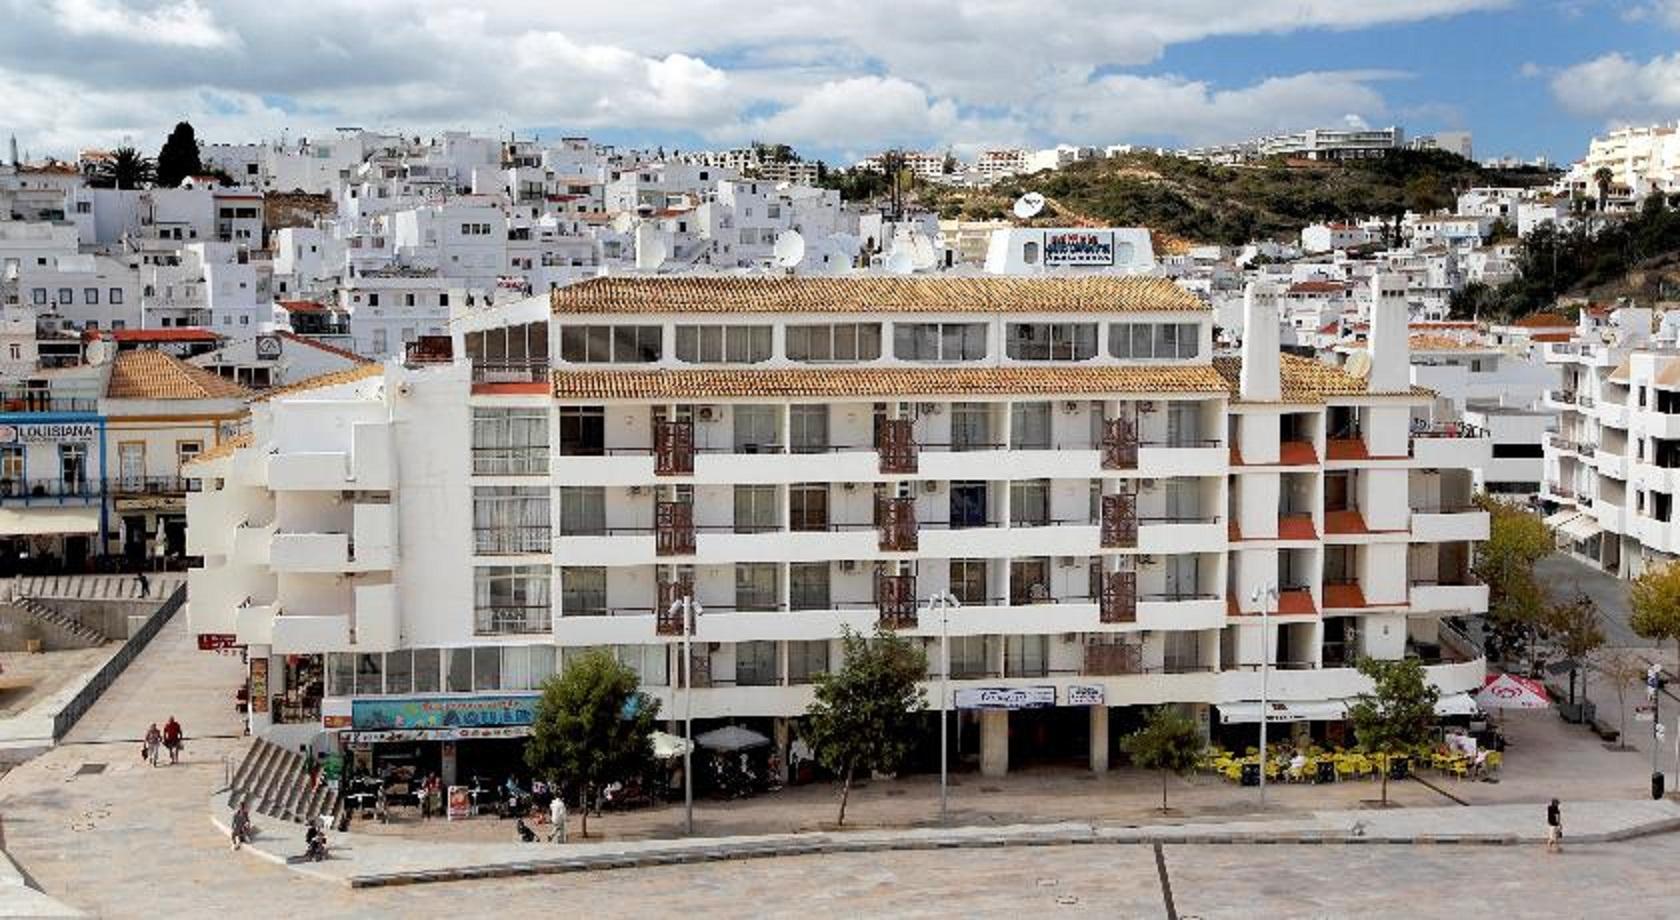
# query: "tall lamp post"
1266,597
689,608
944,602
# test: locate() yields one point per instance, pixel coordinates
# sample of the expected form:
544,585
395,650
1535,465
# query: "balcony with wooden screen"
1119,521
673,528
1119,598
896,443
1119,444
897,524
673,449
895,600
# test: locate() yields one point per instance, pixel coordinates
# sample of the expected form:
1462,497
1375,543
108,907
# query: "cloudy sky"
837,79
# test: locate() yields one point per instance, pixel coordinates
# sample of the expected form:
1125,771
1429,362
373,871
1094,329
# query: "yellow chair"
1493,761
1460,767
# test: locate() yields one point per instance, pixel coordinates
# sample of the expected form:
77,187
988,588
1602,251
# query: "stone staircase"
275,782
96,587
54,620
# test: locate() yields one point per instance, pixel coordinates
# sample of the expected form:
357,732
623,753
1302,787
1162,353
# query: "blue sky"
1527,77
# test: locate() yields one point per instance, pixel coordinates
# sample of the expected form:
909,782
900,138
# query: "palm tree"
1603,176
126,168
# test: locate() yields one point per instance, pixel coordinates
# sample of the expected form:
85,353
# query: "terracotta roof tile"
173,334
1304,380
884,381
151,374
322,346
332,379
1543,321
224,449
769,294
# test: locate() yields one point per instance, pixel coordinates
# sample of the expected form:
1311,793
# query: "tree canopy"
179,157
1397,714
593,725
126,168
1517,539
1168,742
867,711
1655,601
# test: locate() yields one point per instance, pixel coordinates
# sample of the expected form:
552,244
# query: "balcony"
1557,398
1119,601
897,530
895,601
513,620
1119,445
673,526
152,486
252,543
1183,457
1180,533
1456,595
1451,523
1612,465
1613,415
1119,521
1451,445
20,400
896,446
532,539
26,492
1664,425
310,552
304,634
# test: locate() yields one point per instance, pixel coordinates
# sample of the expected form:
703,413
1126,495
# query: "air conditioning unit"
1149,485
1145,560
848,565
1146,407
1071,407
1067,562
930,486
929,408
849,486
706,413
635,490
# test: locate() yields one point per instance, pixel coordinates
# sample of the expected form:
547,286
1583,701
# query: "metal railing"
505,372
50,491
507,541
16,400
512,620
153,485
84,699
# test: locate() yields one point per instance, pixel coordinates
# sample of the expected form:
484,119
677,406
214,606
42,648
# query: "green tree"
1622,669
1577,631
866,711
1602,177
1517,539
592,726
1167,742
126,168
179,157
1399,712
1655,599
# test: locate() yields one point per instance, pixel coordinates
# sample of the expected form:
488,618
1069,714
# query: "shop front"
52,511
477,741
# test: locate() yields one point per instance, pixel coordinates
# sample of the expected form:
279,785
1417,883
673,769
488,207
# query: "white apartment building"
1064,456
1331,237
1641,160
1001,163
388,310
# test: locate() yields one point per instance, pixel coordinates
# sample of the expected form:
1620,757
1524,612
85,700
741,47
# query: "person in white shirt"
557,817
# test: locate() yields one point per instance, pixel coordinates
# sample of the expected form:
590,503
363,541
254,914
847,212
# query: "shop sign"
333,722
1006,697
212,642
268,348
1085,695
1083,247
460,733
44,432
259,685
460,802
444,712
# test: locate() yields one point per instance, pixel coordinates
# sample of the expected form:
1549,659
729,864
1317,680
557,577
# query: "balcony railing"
898,524
1119,445
1119,521
673,526
508,541
1119,598
515,620
1562,396
14,400
49,491
895,599
154,485
673,449
1112,660
510,461
510,372
897,445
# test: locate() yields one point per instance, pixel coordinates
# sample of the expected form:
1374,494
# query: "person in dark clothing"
145,583
1554,827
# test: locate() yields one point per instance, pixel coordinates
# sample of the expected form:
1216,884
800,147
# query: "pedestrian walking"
172,739
145,583
242,825
154,740
1554,828
557,817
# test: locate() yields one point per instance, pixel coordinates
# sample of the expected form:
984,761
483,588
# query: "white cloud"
1620,89
1666,12
185,24
921,72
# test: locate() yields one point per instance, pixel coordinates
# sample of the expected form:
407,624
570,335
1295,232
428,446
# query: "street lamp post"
943,602
1265,596
690,608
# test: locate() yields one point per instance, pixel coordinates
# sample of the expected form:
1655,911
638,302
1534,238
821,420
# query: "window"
1029,581
1025,656
968,505
1052,341
1029,503
90,296
808,506
380,341
1154,340
583,431
1183,578
510,441
806,660
583,511
459,671
66,296
185,451
968,581
72,467
341,674
723,344
610,344
808,586
583,591
1029,426
487,668
939,341
510,519
369,668
971,426
756,429
755,586
426,676
755,664
755,509
808,428
39,296
399,672
972,656
836,342
1184,499
1184,423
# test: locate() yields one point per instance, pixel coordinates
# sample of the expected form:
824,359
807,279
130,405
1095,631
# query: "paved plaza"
101,832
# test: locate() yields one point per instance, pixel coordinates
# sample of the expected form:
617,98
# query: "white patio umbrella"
731,738
667,745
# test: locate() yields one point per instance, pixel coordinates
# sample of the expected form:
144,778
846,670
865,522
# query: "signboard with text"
1005,697
1079,247
447,712
1085,695
259,685
210,642
48,432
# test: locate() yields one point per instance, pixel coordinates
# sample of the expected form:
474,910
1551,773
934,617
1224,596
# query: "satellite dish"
1358,364
922,255
790,248
900,262
1027,206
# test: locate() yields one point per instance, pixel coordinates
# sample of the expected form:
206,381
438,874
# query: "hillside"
1202,202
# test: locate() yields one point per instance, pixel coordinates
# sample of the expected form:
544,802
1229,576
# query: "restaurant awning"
1583,527
1456,704
1246,713
1554,521
26,522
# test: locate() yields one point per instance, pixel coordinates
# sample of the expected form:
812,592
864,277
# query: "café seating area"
1286,763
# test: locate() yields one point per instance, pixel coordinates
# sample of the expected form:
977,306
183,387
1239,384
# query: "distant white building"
1331,237
1026,250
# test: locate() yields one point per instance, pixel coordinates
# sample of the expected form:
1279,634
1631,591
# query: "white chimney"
1390,344
1260,344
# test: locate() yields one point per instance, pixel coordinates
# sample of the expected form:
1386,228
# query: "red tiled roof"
1542,321
1317,287
323,346
302,306
178,334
